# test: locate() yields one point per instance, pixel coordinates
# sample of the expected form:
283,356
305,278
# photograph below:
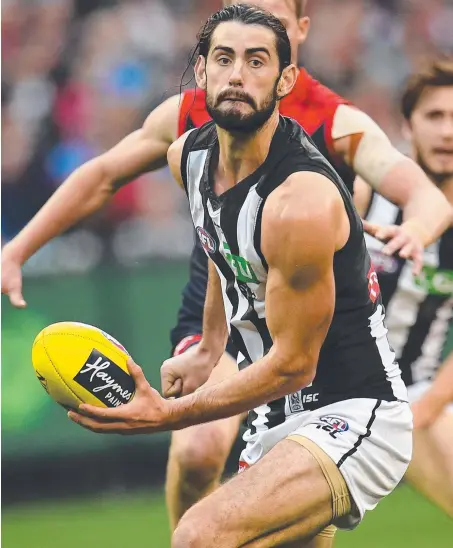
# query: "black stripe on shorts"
362,436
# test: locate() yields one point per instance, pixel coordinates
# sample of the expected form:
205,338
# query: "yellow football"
78,363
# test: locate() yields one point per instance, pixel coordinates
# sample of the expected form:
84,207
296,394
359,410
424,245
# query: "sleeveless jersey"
355,360
419,311
313,106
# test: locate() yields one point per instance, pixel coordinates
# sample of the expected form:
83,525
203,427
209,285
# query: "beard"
438,178
233,121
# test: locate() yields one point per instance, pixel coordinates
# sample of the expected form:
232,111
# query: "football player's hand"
406,239
183,374
147,412
12,278
426,411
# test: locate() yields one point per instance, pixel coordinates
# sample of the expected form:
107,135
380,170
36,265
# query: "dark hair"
248,15
436,73
299,6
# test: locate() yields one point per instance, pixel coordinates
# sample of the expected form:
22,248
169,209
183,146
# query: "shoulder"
322,94
306,212
174,156
192,110
350,120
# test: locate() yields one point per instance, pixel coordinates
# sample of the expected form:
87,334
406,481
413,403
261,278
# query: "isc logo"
207,241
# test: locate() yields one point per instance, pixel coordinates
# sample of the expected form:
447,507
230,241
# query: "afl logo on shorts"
207,241
338,424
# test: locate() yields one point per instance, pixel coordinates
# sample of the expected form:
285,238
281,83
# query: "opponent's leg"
431,469
198,454
283,498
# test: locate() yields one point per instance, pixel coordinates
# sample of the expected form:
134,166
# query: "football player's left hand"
405,239
147,412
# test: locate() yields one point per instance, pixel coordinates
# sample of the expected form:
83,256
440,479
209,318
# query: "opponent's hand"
12,279
185,373
405,239
146,413
426,411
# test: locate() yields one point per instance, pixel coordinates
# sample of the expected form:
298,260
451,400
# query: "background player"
420,310
301,302
350,140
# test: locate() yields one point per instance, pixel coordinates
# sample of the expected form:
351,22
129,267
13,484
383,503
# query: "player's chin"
442,165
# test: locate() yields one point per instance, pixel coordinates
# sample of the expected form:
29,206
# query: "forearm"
260,383
84,192
215,332
425,206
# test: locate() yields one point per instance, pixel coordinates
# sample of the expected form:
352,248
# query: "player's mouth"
443,152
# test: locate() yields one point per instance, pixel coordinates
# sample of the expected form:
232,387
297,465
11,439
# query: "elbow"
297,373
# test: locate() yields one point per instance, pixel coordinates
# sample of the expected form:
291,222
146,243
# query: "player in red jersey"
351,141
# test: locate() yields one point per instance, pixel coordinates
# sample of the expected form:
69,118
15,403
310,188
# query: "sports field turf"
404,520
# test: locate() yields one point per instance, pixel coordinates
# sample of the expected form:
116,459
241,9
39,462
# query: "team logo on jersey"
207,241
373,284
435,281
241,267
333,425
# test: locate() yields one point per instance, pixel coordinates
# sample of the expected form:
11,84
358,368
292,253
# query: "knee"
200,455
190,533
185,537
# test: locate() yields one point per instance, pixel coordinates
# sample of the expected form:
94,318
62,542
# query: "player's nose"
236,75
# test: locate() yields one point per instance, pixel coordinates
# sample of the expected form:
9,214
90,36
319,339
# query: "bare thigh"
283,498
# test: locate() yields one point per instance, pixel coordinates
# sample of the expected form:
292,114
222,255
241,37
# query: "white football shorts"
369,440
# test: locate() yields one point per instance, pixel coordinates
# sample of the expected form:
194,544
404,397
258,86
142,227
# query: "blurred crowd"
78,75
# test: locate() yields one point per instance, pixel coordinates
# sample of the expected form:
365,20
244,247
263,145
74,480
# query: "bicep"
299,307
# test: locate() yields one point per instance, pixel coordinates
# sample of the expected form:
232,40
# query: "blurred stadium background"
77,76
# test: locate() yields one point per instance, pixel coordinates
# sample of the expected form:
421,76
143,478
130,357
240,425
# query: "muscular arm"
91,186
366,148
300,300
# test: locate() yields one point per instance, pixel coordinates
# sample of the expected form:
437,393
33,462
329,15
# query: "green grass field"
403,520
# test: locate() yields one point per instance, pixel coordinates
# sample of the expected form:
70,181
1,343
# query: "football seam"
117,350
57,372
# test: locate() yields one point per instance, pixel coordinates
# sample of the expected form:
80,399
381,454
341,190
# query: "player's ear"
287,80
303,26
406,130
200,72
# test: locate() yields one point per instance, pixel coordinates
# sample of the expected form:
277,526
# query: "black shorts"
188,329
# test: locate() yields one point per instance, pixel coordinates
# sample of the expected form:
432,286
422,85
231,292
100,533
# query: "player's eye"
256,63
435,115
223,60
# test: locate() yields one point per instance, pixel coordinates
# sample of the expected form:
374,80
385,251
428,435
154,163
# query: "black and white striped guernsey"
355,360
419,311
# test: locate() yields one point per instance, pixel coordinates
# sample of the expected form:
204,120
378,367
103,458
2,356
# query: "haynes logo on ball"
105,380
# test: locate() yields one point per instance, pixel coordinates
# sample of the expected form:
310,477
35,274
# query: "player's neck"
240,155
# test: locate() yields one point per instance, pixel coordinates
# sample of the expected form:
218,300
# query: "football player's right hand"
183,374
12,279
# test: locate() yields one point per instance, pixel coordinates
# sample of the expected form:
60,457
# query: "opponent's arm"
306,213
428,408
366,148
362,196
89,187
